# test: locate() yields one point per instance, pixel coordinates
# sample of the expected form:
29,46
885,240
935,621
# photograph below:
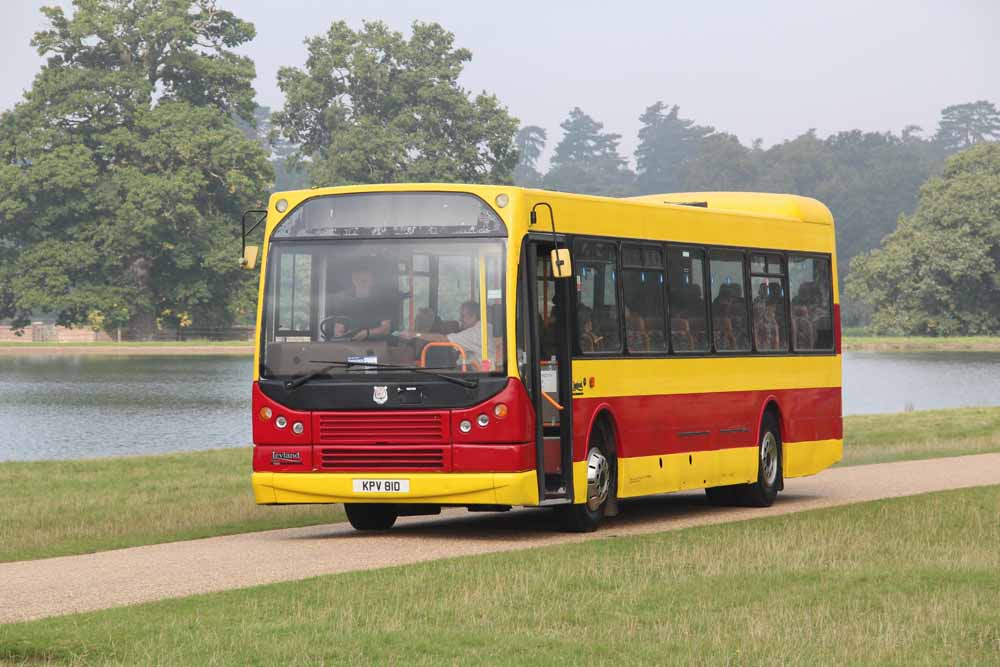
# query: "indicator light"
465,426
265,413
298,428
502,200
281,205
500,410
281,422
483,420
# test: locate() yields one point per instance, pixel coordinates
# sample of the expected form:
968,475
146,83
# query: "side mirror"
562,266
249,260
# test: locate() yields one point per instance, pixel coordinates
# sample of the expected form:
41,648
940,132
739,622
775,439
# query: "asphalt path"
70,584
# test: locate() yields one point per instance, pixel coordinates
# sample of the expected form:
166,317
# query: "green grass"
58,508
920,435
861,343
55,508
910,581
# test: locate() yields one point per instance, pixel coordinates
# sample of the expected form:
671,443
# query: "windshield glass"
414,303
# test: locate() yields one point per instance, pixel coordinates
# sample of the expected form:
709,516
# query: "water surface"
70,407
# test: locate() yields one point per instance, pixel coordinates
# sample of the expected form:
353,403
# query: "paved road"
54,586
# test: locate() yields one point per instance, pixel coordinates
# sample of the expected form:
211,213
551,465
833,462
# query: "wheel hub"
598,479
769,459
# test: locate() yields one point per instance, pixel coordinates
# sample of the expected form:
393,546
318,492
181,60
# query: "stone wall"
53,333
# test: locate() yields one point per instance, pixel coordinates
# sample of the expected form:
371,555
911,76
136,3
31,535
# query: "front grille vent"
383,428
384,458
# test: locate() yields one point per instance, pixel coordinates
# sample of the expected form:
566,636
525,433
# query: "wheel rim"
769,458
598,479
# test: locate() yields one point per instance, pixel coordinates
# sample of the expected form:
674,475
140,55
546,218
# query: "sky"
769,69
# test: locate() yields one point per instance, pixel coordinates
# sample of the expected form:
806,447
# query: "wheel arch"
604,414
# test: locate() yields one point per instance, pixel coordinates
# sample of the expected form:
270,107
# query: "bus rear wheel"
371,516
602,471
763,492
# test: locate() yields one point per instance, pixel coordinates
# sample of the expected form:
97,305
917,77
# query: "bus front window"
414,303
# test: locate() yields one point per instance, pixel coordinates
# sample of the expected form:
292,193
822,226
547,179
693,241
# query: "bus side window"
729,306
812,319
686,285
294,298
770,321
596,267
642,283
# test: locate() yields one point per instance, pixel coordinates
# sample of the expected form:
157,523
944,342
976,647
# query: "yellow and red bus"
421,346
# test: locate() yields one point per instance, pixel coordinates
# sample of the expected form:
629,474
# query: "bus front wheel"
371,516
602,471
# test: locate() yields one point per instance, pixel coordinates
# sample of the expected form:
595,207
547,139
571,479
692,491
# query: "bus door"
549,362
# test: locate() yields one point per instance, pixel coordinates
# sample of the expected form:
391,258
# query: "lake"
68,407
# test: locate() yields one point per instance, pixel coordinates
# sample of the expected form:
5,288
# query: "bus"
421,346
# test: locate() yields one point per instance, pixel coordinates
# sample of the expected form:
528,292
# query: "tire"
371,516
602,473
763,492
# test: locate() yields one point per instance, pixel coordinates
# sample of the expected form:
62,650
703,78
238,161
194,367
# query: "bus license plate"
381,486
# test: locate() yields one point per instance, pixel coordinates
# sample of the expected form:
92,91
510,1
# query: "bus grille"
384,458
382,428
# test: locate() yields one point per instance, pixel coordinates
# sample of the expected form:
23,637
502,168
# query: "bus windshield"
435,304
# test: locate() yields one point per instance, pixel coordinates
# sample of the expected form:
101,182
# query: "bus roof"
797,207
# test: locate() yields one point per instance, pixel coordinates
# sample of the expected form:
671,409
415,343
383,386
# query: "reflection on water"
65,407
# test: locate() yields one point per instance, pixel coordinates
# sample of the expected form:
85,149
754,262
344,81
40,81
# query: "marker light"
281,422
281,205
298,428
465,426
265,413
500,410
483,420
502,200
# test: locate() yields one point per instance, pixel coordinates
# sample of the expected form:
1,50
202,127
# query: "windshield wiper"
297,382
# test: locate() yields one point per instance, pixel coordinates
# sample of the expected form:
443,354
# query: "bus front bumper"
496,488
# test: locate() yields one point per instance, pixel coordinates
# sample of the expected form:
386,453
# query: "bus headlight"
483,421
465,426
281,422
298,428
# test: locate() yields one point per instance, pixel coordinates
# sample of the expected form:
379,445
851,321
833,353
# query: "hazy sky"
770,69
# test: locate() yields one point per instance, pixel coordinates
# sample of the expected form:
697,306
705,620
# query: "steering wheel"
326,328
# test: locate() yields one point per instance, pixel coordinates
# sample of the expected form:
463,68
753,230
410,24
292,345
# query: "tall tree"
667,143
122,172
529,142
373,107
939,272
964,125
586,159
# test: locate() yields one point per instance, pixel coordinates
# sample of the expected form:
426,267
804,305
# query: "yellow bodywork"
751,220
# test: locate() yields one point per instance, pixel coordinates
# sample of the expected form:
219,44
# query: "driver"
470,337
362,312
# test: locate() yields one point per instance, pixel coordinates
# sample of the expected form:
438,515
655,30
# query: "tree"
666,143
939,272
720,162
122,173
586,159
964,125
373,107
529,142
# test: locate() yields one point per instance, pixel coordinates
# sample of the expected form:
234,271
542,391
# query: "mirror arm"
243,225
552,220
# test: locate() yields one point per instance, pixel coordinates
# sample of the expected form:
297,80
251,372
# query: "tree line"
139,144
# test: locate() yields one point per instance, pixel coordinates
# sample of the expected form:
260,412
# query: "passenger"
589,341
470,338
362,312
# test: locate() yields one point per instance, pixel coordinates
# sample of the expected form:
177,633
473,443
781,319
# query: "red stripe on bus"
677,423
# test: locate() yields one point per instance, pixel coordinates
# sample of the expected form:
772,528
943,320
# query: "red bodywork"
397,440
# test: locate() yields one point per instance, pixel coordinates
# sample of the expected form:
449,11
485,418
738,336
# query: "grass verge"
56,508
910,581
923,434
920,344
